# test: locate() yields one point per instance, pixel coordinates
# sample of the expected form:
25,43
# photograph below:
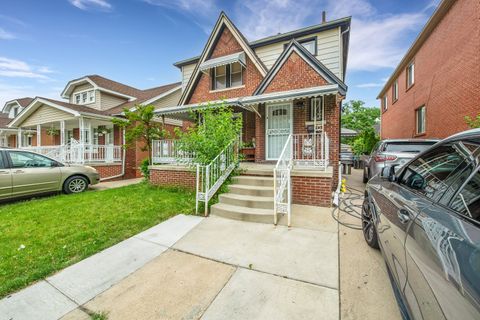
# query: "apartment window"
395,91
410,74
310,44
385,103
316,109
85,97
227,76
420,120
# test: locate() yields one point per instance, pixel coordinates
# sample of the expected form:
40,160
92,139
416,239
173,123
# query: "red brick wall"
110,170
332,128
226,44
260,134
295,73
447,81
178,178
313,191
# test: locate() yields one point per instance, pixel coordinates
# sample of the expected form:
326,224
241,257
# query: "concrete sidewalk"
104,185
65,291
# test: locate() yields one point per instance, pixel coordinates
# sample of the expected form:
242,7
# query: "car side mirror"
388,173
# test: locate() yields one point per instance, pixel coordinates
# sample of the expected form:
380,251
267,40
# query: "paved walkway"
115,184
190,267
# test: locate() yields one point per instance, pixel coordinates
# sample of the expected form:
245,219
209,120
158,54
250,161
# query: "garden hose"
347,205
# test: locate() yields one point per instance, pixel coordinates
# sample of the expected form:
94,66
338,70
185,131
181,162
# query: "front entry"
278,128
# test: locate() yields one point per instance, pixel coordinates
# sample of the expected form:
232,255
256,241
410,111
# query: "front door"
278,128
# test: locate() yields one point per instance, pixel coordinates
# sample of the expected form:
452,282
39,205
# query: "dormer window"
15,112
227,76
85,97
309,43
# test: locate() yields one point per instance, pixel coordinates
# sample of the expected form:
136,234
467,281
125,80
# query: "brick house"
79,129
288,89
437,83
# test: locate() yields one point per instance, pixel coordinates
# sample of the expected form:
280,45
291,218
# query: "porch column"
81,130
39,135
62,132
19,138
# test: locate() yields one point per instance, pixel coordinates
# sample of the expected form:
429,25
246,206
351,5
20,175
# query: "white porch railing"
282,184
167,151
210,177
80,153
311,150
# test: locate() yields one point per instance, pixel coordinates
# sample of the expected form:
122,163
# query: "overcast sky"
44,44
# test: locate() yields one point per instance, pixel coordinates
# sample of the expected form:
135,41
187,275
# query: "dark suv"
425,218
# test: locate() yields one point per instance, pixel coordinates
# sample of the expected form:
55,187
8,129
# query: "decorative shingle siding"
447,81
226,44
295,73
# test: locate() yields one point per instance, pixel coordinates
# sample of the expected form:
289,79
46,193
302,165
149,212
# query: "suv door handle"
403,215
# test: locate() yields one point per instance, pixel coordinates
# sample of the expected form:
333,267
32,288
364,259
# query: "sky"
44,44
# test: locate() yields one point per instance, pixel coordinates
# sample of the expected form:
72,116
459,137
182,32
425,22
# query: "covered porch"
68,135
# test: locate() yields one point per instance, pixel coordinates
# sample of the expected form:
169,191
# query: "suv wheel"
368,226
75,184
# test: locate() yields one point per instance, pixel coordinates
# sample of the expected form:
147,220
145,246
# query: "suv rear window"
413,147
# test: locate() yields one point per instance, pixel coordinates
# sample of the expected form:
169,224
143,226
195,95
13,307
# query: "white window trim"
395,91
80,94
227,75
424,120
411,71
385,103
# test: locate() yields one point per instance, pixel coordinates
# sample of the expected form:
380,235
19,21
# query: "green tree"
142,126
362,119
473,123
215,127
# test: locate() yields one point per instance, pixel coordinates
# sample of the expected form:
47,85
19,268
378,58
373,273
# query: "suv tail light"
384,157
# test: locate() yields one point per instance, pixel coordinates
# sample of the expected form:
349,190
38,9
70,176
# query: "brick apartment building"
437,83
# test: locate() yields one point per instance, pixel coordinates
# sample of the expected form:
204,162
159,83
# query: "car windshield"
412,147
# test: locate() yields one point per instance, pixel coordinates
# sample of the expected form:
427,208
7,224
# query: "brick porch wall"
313,191
176,178
108,170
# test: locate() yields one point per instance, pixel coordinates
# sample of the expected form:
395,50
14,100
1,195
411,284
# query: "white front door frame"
290,116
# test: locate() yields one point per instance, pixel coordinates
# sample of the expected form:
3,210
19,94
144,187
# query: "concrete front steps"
250,198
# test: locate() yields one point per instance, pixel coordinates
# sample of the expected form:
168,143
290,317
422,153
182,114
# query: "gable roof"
222,22
148,96
102,84
74,109
343,22
23,102
295,46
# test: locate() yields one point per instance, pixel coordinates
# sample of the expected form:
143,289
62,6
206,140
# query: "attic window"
227,76
85,97
309,43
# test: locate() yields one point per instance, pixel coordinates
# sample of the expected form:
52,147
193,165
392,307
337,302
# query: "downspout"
124,151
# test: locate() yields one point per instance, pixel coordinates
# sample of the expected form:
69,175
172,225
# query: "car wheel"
368,226
75,184
365,175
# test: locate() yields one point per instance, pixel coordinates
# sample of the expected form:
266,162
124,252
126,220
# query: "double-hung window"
420,120
410,74
385,103
85,97
227,76
395,91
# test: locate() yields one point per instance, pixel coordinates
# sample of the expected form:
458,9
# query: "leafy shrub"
144,168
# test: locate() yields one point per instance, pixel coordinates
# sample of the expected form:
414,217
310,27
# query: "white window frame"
411,73
395,91
424,120
241,75
385,103
228,76
89,97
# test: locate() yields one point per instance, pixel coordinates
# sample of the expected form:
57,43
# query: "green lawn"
60,230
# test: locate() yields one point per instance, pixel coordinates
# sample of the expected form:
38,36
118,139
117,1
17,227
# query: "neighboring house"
8,136
437,82
80,129
288,88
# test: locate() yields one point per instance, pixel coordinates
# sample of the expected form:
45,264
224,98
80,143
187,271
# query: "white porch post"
90,140
39,135
62,132
81,133
19,138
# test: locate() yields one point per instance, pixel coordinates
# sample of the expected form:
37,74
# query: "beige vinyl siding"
169,101
82,87
45,114
187,73
328,50
108,101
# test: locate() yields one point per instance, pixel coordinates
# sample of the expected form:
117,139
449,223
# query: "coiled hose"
348,206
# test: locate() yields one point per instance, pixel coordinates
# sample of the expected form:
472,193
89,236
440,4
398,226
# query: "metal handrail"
282,184
210,177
